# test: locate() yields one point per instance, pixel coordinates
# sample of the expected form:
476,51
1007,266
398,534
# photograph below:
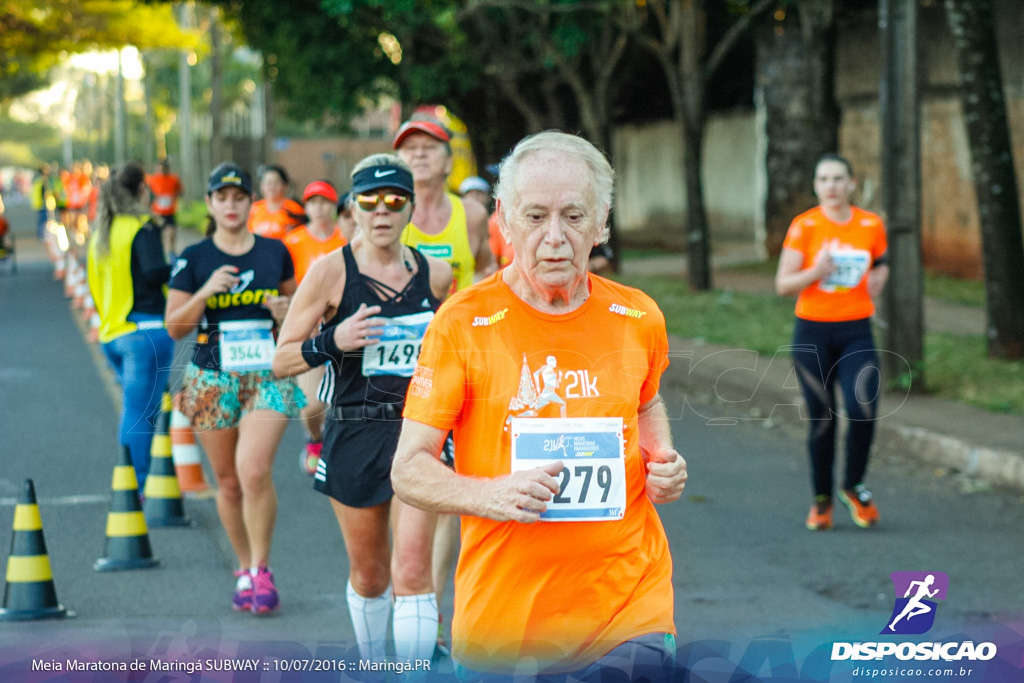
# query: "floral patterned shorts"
213,399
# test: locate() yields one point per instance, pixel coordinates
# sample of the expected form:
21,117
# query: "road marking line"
85,499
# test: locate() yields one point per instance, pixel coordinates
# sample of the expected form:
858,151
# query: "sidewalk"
939,432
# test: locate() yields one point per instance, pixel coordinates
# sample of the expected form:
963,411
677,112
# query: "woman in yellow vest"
127,278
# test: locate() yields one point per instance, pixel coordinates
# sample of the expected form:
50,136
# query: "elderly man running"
564,560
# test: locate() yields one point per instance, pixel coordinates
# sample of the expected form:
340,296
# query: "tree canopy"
36,36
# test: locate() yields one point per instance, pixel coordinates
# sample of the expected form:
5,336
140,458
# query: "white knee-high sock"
370,618
415,626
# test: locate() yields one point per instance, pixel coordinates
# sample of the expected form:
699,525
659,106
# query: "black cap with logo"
229,174
377,177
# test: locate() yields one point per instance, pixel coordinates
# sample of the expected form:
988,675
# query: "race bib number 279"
592,483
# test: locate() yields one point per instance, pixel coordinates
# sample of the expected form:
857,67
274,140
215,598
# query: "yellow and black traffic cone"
127,536
162,503
29,592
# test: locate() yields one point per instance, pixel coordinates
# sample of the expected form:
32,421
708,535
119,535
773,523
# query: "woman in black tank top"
363,310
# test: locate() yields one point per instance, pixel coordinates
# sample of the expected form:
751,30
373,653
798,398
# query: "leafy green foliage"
320,57
18,77
39,33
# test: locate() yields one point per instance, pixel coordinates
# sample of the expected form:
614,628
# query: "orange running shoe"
820,517
862,507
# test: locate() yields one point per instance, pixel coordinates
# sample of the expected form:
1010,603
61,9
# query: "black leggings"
824,352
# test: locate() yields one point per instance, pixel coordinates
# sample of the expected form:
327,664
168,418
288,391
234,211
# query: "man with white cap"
476,188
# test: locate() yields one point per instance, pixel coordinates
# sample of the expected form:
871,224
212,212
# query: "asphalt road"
753,589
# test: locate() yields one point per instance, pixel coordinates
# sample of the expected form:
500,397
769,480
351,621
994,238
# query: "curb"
998,467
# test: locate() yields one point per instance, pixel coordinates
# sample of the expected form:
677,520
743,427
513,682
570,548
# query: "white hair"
573,146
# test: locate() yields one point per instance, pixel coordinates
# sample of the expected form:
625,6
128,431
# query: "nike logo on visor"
381,174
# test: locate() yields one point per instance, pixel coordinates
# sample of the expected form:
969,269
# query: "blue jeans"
142,362
42,215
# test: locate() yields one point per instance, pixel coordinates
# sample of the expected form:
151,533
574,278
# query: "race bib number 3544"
246,345
592,483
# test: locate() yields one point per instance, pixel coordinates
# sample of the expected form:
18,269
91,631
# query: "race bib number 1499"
399,346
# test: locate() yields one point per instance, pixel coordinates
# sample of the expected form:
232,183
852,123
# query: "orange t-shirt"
78,187
855,246
502,250
306,248
166,188
562,592
276,224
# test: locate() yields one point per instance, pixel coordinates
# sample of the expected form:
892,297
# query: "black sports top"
380,374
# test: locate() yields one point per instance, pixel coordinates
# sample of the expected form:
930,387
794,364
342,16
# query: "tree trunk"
698,242
216,89
188,167
147,97
995,182
691,77
795,92
270,121
900,152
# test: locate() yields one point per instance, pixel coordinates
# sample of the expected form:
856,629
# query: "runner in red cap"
442,225
307,244
431,128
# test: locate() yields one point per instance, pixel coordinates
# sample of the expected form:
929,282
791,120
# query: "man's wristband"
321,348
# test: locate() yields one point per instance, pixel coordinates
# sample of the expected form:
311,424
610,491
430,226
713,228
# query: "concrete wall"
325,158
650,202
950,232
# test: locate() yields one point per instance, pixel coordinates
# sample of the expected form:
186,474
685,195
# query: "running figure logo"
537,390
914,612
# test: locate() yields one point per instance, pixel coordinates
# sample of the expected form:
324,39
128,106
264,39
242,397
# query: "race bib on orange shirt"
592,483
851,266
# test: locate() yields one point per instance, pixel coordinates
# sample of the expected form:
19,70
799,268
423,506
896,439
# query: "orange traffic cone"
88,306
163,505
73,277
91,318
127,536
93,335
60,267
29,593
81,291
185,451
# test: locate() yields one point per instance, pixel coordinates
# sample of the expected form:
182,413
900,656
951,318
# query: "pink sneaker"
310,456
264,592
243,591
